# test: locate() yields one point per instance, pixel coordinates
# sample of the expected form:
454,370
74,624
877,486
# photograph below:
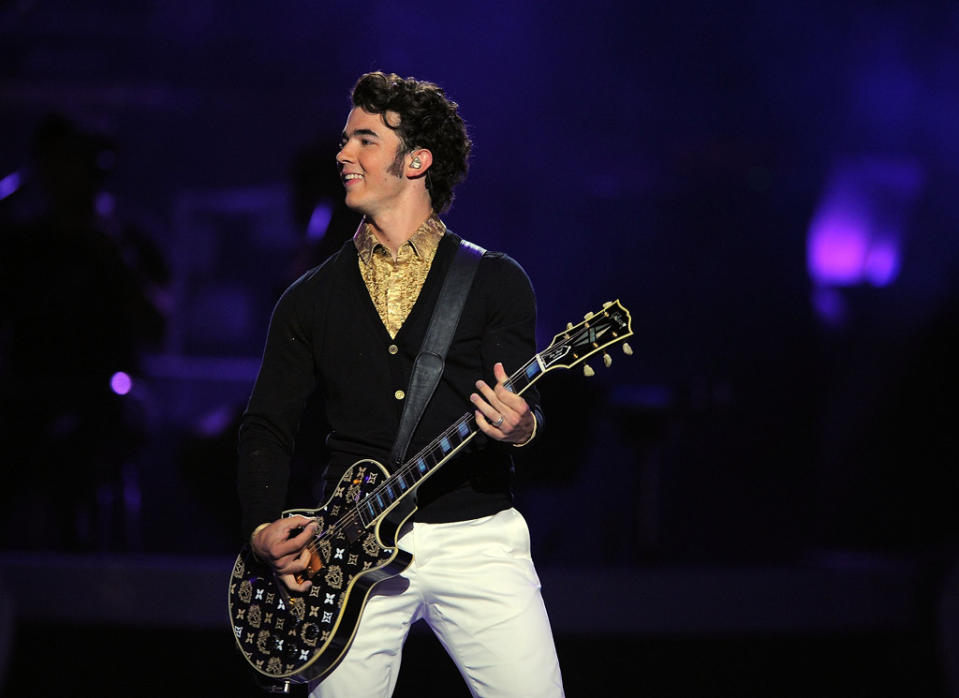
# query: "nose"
343,156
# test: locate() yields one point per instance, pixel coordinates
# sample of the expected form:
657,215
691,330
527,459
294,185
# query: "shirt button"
393,349
399,395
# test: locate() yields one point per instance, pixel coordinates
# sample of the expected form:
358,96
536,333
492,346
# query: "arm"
509,341
266,440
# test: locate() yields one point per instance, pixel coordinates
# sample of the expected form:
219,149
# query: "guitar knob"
628,350
607,360
588,371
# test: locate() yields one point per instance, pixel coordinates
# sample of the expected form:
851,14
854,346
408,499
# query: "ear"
418,162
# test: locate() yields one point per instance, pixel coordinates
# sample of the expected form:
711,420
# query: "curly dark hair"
427,120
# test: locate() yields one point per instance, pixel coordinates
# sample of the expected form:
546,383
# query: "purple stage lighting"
9,185
319,221
857,233
121,383
105,204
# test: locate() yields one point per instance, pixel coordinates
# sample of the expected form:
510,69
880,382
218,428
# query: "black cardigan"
326,335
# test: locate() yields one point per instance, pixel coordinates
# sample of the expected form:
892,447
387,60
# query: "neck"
395,228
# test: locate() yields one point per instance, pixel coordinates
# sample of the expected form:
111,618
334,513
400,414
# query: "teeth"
352,176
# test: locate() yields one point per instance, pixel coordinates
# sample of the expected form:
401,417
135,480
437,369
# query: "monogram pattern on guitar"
278,631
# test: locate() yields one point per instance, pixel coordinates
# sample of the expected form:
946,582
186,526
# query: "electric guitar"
291,637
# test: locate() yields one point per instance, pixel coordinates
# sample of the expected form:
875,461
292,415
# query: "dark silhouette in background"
319,210
79,303
323,223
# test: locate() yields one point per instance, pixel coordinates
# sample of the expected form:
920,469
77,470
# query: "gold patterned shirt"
394,285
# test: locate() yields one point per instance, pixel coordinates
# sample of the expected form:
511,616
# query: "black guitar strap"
429,363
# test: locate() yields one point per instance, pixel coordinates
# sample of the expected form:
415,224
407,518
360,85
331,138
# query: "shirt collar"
424,241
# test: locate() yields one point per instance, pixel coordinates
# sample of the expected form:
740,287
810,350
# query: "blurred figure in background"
323,223
319,211
79,301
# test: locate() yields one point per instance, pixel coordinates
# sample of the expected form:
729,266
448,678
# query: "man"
351,329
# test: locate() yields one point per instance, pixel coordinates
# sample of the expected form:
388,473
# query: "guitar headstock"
597,331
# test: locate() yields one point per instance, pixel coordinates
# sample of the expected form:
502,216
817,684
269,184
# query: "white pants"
474,584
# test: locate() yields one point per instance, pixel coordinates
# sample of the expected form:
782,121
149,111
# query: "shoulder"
504,274
331,270
494,266
318,282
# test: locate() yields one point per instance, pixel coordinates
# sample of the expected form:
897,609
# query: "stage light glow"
838,246
105,203
121,383
9,184
858,231
319,221
829,305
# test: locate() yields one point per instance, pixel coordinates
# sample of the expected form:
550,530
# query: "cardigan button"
399,395
393,349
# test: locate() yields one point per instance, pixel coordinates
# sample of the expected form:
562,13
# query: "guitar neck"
437,452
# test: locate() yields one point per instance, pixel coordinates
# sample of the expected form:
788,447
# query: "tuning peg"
588,371
587,316
569,325
628,350
607,360
607,304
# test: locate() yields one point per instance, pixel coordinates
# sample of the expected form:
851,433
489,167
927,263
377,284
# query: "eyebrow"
359,132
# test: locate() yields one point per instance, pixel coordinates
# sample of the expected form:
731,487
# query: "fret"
525,377
366,512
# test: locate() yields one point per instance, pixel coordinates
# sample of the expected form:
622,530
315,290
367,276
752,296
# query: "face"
368,162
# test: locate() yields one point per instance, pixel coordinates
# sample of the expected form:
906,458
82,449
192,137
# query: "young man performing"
351,329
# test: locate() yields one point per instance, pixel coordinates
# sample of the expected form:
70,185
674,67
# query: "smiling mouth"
351,177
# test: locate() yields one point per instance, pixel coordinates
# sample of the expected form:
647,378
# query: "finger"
484,426
509,403
294,564
486,414
304,536
495,399
290,581
297,521
278,549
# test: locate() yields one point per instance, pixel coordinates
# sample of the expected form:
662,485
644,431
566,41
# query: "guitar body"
298,637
